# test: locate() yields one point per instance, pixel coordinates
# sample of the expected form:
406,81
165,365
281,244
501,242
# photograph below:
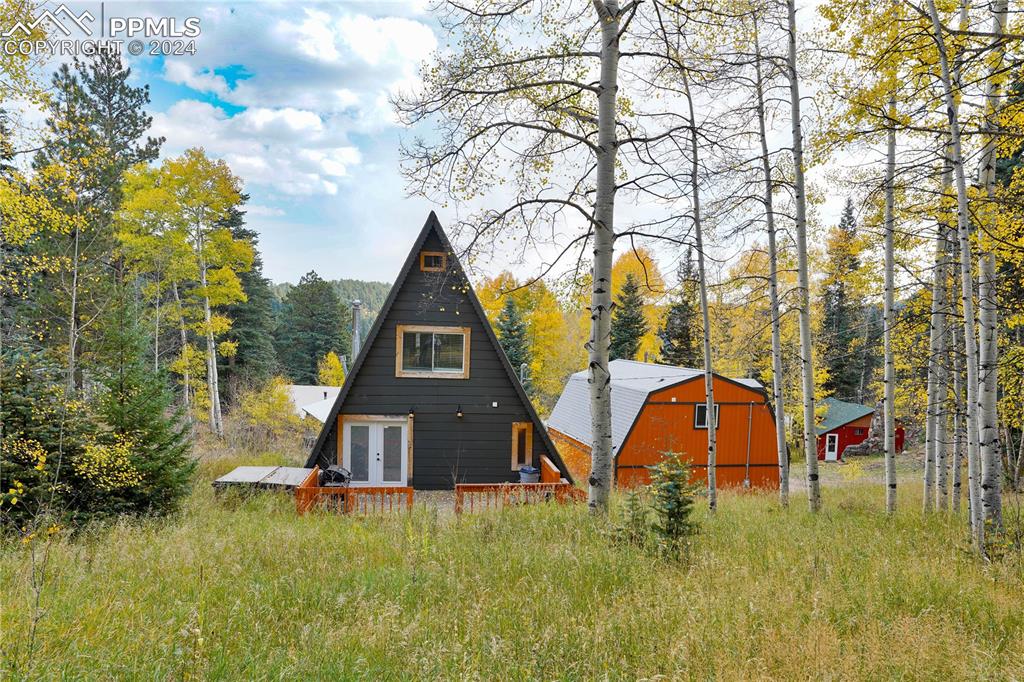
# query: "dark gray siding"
446,450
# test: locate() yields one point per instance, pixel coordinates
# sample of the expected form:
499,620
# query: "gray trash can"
529,475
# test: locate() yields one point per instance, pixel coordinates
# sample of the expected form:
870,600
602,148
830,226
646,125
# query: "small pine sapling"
673,495
633,527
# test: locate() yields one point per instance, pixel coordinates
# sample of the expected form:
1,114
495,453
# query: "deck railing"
482,496
351,500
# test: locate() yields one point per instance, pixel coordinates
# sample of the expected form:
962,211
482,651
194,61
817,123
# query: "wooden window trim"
528,460
718,416
423,258
401,373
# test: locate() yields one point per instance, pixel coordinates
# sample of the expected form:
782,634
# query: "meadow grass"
245,589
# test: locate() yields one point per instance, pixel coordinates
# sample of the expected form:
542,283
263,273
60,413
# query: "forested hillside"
372,294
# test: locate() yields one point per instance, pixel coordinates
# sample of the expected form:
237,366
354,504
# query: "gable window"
433,261
858,432
700,416
522,445
432,352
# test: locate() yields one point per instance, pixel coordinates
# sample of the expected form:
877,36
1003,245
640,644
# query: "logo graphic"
80,20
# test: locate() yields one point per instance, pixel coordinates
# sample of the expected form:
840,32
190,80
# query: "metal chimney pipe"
357,341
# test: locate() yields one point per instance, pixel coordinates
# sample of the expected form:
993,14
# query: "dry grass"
244,589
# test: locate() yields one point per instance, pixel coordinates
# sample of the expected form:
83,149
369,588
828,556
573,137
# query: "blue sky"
295,98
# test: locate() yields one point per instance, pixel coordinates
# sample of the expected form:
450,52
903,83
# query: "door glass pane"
448,352
359,452
416,350
393,454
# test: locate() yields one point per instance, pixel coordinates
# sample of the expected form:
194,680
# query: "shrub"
673,493
267,415
42,432
633,528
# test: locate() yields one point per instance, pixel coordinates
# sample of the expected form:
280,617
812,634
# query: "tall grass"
245,589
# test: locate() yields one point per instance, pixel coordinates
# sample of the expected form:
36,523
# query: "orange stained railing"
549,473
482,496
355,499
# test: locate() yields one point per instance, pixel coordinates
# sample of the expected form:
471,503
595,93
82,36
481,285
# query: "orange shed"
658,409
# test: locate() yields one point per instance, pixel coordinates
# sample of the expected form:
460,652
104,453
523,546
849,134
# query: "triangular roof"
432,224
632,382
840,413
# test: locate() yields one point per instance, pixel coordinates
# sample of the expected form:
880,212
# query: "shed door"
375,452
831,447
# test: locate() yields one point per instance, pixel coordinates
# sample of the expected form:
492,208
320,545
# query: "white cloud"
177,71
307,80
263,211
286,151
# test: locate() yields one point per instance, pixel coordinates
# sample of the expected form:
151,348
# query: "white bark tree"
991,464
803,277
544,121
773,273
889,314
966,277
698,236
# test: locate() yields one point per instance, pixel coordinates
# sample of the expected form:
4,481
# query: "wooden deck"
483,496
468,496
351,500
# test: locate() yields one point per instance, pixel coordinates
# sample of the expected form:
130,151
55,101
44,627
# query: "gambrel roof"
631,382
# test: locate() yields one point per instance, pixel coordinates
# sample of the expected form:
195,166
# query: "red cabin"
846,424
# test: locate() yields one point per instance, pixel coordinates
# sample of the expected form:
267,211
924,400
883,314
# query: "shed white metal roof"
632,382
320,410
303,395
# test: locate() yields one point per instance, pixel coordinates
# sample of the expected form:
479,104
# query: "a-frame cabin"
431,400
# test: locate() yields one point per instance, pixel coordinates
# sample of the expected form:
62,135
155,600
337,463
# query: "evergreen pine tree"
680,345
137,406
628,323
512,334
96,129
252,325
313,323
841,313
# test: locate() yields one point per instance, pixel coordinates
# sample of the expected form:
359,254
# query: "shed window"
858,432
436,352
522,445
700,416
433,261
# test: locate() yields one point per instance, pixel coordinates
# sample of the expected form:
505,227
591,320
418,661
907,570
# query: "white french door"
831,447
375,452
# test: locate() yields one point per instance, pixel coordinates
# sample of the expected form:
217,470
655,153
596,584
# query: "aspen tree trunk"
935,440
212,384
156,332
966,282
709,390
73,317
1020,461
959,435
991,462
803,279
889,316
991,465
773,284
601,469
184,347
939,348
